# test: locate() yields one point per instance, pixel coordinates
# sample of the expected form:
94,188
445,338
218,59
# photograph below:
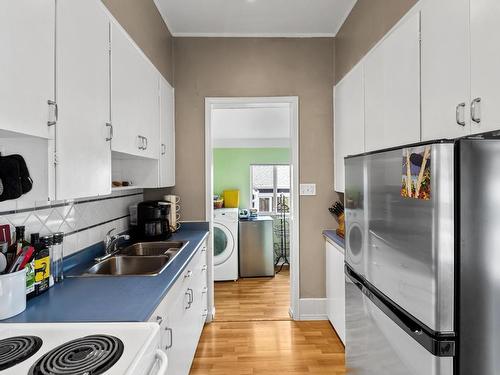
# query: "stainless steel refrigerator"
423,259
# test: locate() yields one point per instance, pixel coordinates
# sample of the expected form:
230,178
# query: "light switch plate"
307,189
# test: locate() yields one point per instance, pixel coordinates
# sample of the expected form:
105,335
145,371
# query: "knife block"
341,229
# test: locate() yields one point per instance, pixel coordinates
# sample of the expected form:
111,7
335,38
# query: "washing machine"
225,244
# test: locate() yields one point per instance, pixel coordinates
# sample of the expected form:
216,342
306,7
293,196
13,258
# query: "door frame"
292,102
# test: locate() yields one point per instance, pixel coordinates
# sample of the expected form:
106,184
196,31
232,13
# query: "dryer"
225,244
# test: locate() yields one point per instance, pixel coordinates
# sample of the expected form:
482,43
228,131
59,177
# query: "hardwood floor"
269,348
253,334
266,298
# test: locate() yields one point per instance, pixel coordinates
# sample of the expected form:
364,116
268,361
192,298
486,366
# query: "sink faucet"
110,244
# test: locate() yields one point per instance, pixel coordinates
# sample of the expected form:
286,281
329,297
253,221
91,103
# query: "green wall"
232,167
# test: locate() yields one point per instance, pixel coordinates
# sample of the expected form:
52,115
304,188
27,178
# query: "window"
270,188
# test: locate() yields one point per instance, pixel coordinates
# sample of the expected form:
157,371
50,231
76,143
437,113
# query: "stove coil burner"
14,350
90,355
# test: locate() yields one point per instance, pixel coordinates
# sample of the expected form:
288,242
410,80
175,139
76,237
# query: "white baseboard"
313,309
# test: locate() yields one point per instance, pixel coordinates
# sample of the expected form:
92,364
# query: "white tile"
83,239
54,221
70,244
33,225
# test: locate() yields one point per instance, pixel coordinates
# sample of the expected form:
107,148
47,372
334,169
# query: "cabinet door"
134,98
392,89
349,124
167,134
445,69
27,43
83,151
485,62
335,288
179,354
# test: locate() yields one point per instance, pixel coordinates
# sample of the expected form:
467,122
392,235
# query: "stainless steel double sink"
139,259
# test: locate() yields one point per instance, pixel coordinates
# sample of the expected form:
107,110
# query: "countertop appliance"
422,238
256,247
225,244
153,220
81,348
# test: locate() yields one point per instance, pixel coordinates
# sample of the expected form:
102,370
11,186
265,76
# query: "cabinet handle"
56,112
205,313
205,290
460,108
171,334
190,295
145,143
204,268
159,320
203,249
475,109
110,126
163,149
140,142
188,274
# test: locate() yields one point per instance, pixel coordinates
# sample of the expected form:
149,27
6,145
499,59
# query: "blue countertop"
112,299
332,235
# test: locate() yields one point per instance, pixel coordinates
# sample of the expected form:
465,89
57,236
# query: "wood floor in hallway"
253,334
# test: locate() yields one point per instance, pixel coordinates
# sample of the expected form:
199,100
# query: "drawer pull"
171,334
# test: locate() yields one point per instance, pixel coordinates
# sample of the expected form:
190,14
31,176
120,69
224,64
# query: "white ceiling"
251,127
260,18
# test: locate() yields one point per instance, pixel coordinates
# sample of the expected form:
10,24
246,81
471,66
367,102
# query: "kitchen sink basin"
129,266
170,248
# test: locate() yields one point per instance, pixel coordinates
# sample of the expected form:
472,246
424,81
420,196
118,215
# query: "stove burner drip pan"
15,350
90,355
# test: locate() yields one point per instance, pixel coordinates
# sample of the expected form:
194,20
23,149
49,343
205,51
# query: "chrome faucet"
110,244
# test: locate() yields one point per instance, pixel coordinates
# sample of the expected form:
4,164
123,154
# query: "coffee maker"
152,220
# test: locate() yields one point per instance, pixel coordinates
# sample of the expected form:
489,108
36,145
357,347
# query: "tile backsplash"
84,221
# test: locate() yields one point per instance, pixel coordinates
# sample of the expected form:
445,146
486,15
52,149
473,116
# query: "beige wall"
368,22
206,67
143,22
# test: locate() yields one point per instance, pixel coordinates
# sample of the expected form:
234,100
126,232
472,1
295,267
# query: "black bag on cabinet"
15,179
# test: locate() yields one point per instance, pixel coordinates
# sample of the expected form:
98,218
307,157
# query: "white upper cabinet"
167,134
83,151
485,65
26,65
134,98
349,136
445,69
392,88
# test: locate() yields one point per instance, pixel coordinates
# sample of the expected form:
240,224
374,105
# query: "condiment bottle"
57,257
42,265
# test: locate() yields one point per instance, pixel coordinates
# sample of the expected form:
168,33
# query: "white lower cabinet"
182,314
335,288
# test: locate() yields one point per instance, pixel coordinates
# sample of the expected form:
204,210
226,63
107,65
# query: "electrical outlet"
307,189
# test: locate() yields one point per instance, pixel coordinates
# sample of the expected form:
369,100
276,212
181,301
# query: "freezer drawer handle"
438,344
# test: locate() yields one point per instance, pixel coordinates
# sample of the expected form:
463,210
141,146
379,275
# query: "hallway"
253,334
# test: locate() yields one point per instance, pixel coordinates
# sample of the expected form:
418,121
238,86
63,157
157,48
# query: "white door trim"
252,102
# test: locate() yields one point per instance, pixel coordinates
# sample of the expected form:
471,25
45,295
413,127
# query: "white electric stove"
81,349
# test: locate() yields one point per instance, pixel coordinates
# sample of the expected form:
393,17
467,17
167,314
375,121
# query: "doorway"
267,149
